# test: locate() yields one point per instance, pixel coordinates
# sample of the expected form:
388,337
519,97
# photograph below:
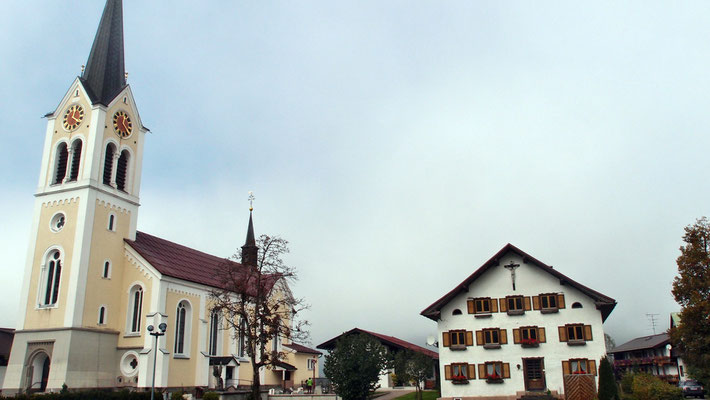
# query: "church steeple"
105,75
250,251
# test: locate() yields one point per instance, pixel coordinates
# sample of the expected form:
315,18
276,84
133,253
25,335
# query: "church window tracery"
53,273
136,308
182,328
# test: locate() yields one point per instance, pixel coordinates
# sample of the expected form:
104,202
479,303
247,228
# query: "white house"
517,325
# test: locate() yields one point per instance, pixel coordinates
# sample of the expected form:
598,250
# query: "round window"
57,222
129,363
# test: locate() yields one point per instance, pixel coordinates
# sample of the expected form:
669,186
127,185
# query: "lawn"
426,395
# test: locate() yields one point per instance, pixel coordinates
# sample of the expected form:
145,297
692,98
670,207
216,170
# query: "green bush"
649,387
176,395
211,396
627,382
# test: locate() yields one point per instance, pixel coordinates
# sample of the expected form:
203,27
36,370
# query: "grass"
426,395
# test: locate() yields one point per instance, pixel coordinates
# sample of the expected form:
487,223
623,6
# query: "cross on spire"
512,267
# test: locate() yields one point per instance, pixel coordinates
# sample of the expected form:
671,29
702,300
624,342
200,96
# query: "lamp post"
163,326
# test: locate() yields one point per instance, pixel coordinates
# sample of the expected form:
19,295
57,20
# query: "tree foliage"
257,304
354,366
691,289
415,367
607,384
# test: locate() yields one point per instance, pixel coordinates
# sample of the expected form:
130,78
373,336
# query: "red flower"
530,341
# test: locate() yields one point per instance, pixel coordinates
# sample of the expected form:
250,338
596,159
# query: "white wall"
530,281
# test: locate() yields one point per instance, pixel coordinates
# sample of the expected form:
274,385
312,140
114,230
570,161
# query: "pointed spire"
105,75
250,251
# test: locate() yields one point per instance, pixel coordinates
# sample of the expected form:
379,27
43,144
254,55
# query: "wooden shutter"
494,305
565,368
592,367
503,336
506,370
447,372
560,300
516,336
481,371
479,338
536,302
587,332
526,303
503,305
470,306
471,371
469,338
563,333
446,339
541,335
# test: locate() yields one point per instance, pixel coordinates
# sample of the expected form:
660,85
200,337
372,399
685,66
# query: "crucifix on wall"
512,266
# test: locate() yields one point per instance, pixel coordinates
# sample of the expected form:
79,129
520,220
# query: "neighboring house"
93,283
392,344
517,325
652,354
6,337
302,355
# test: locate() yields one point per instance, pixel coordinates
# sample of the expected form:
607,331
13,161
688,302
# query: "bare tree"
257,304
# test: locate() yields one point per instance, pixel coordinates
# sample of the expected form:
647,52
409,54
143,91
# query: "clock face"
122,124
73,117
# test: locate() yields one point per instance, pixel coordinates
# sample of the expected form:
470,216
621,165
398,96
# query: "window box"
459,380
482,315
530,343
516,312
457,347
489,346
494,380
576,343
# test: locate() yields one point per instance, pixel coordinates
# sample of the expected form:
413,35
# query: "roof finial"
251,200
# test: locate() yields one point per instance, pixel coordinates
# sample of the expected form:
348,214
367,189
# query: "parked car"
692,388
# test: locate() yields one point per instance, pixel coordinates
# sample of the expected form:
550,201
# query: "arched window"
60,166
106,271
576,305
214,333
52,275
108,163
456,312
182,328
135,308
75,160
111,222
122,171
102,315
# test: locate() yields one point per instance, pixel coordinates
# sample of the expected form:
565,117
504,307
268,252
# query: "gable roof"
644,342
182,262
604,303
389,341
301,348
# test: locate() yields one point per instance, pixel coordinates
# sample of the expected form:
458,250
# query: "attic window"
576,305
125,100
456,312
76,94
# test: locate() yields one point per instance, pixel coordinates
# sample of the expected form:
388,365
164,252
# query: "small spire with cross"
512,266
251,200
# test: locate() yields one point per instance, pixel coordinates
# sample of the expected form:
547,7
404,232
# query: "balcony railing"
658,360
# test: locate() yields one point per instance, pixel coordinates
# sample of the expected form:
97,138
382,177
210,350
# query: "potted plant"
494,378
459,380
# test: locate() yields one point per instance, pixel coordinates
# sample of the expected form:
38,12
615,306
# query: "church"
94,286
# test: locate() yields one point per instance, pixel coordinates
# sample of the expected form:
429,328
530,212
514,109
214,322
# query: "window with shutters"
457,339
482,306
575,334
494,371
529,336
548,302
579,366
459,373
491,338
515,305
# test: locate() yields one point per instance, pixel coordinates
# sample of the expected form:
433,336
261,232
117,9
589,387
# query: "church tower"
86,205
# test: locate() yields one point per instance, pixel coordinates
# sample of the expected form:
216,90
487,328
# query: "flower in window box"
494,377
530,342
579,372
457,379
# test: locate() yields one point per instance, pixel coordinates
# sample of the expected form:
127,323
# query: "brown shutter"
469,338
565,368
541,335
494,305
503,336
563,333
516,336
471,371
561,300
592,367
503,305
479,338
446,339
587,332
536,302
481,371
447,372
470,306
526,303
506,370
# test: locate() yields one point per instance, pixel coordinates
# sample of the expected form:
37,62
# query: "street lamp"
163,326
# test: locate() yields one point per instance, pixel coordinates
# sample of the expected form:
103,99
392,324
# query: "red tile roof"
301,348
178,261
389,341
604,303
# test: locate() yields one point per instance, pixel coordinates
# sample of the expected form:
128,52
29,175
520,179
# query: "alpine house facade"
517,326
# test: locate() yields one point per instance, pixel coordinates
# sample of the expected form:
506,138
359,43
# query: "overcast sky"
396,144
